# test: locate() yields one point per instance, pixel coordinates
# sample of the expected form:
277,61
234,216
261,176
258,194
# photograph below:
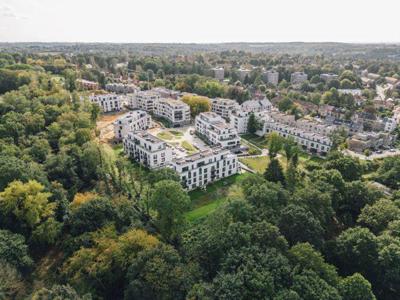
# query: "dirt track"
104,125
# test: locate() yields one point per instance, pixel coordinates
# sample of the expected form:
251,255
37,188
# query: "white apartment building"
219,73
256,105
147,149
271,77
216,131
144,100
298,77
328,77
166,93
175,111
205,167
223,107
243,73
390,124
107,102
132,121
239,119
312,136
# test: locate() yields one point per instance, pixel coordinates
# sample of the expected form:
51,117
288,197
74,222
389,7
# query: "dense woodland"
80,221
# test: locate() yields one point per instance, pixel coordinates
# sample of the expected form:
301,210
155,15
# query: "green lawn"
258,164
188,147
205,202
176,133
165,135
252,150
259,141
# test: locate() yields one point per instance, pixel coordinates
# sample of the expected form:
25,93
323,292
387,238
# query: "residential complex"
243,73
144,100
256,105
87,85
132,121
216,131
298,77
239,119
147,149
223,107
310,135
175,111
271,77
370,140
219,73
166,93
107,102
327,77
200,169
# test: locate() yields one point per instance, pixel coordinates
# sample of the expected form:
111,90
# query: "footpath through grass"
206,201
258,164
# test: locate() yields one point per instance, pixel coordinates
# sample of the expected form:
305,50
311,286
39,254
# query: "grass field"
176,133
188,147
258,164
205,202
165,135
259,141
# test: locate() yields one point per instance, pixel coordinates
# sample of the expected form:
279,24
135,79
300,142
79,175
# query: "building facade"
121,88
327,77
175,111
223,107
145,100
212,128
219,73
271,77
298,77
147,149
107,102
132,121
205,167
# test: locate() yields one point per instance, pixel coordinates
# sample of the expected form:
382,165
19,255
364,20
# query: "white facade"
205,167
132,121
271,77
223,107
240,120
256,105
328,77
145,100
107,102
298,77
243,73
390,124
310,135
219,73
176,111
166,93
216,131
147,149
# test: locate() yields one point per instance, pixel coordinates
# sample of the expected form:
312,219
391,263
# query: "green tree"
356,287
170,202
14,251
274,172
253,125
378,215
198,104
275,143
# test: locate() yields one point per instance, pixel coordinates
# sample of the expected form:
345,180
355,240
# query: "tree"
274,172
170,201
11,282
378,215
58,292
299,225
350,168
28,204
14,251
253,125
157,273
275,143
198,104
356,287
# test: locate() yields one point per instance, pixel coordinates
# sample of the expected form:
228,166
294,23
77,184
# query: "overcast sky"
199,21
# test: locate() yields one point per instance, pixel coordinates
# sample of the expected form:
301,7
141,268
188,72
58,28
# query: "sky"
201,21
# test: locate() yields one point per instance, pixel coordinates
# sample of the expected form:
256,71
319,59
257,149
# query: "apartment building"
166,93
87,84
121,88
107,102
212,128
219,73
175,111
144,100
298,77
271,77
327,77
370,140
205,167
243,73
132,121
147,149
223,107
239,119
256,105
310,135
